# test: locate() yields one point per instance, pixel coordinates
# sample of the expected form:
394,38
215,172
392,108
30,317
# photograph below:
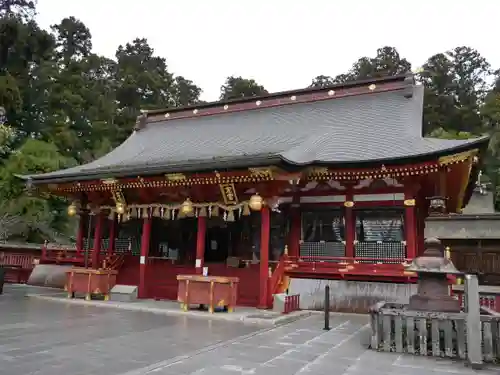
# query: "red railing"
17,267
359,268
344,260
113,262
292,303
276,278
62,255
491,301
19,260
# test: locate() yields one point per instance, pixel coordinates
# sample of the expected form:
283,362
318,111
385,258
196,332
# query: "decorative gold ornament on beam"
457,158
409,202
261,173
175,211
318,171
175,177
120,203
349,204
109,181
229,193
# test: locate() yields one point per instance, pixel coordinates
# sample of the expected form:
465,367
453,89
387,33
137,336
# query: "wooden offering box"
90,282
213,291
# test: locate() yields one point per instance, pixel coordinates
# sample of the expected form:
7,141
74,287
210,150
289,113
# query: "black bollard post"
327,308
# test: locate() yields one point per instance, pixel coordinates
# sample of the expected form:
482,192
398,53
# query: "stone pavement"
303,348
40,337
47,338
246,315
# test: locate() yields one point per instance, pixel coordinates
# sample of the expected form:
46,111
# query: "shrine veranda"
302,186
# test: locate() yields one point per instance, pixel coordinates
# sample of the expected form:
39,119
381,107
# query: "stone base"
434,303
348,296
123,293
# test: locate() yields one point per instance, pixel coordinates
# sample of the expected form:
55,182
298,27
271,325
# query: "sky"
282,44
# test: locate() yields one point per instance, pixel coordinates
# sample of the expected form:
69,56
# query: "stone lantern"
432,269
437,205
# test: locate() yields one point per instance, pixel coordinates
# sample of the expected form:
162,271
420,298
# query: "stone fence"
472,335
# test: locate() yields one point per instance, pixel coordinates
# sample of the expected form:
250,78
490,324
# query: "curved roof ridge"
403,83
408,77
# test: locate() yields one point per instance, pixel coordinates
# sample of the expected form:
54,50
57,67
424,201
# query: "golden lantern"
256,202
72,209
187,207
120,208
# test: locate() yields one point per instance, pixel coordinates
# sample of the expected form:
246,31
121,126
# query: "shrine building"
312,184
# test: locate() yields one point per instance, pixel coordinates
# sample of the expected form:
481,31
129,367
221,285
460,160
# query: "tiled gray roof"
367,128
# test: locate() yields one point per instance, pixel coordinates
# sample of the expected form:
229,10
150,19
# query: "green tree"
24,8
66,104
143,81
387,62
491,115
444,134
239,87
32,216
68,101
73,39
322,81
24,49
455,88
184,92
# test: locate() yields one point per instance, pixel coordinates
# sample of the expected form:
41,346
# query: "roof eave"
198,166
481,144
243,162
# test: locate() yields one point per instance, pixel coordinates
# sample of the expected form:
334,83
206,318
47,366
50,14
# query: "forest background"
65,105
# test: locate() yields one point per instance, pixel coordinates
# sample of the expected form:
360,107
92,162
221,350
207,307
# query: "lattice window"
385,252
311,250
323,233
380,235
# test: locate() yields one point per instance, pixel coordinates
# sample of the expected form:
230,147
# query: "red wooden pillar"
145,239
421,214
350,225
265,228
112,235
96,249
82,229
410,225
295,229
200,243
